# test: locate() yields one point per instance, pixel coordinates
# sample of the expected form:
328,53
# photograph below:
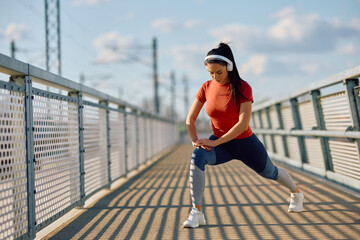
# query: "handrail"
312,133
15,67
337,78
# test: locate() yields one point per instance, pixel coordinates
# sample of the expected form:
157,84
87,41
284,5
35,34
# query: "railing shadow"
238,205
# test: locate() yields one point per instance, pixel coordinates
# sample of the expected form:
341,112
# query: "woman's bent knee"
201,157
270,171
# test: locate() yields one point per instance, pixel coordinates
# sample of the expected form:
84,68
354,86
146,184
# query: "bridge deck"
239,205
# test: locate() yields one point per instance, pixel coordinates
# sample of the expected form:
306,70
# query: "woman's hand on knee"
206,142
203,145
196,145
207,148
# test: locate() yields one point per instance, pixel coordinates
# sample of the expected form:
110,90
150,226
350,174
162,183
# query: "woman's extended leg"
296,197
286,180
200,158
283,177
253,153
197,185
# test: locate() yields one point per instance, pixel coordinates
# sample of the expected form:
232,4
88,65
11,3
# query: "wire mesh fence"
58,149
316,128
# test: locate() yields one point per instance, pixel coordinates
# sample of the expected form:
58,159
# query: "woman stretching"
229,100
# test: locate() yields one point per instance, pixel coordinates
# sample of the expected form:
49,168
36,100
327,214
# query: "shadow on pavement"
239,204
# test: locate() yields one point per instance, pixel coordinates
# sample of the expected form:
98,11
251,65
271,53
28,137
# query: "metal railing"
316,128
56,150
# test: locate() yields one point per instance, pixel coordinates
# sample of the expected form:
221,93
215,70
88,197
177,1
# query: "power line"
31,8
82,27
80,45
130,56
64,32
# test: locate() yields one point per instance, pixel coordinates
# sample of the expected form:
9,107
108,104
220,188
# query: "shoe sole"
186,226
200,224
295,211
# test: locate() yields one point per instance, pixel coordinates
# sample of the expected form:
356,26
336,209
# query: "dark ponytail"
235,80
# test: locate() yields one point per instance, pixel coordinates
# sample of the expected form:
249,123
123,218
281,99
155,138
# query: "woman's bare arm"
241,126
191,122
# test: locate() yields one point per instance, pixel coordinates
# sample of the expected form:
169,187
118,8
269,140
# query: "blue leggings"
248,150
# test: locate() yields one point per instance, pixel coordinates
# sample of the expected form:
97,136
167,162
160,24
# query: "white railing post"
145,136
281,126
315,96
79,96
262,127
267,111
350,85
30,157
253,120
126,142
298,126
108,145
137,134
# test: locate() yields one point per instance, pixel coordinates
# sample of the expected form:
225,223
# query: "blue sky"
279,46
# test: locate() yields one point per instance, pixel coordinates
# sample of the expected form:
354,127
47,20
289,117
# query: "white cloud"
240,33
89,2
355,23
347,50
291,32
193,23
256,65
261,65
285,12
112,47
15,31
292,27
166,24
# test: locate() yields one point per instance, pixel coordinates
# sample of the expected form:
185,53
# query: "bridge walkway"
238,205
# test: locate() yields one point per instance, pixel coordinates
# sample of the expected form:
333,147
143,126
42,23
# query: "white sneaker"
196,219
296,202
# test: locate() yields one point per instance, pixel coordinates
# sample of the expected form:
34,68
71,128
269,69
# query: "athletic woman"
229,99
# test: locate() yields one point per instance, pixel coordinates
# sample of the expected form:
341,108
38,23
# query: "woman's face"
218,72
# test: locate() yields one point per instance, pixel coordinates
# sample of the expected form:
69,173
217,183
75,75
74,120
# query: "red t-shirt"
220,107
